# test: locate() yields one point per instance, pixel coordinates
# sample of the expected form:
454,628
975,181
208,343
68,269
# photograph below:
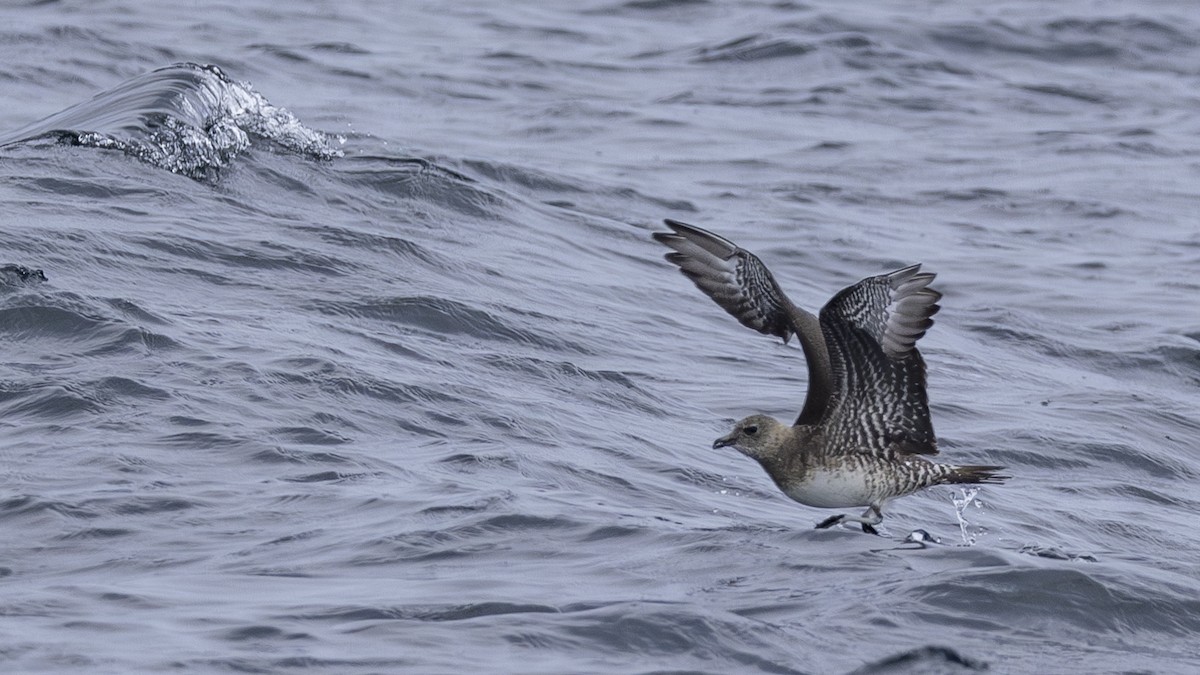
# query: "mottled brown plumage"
864,431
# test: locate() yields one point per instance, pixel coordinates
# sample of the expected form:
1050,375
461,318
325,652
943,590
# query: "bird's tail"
975,474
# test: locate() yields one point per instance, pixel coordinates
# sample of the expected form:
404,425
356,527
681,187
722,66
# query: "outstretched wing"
878,403
739,282
735,278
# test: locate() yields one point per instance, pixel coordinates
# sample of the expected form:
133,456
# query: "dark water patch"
611,532
604,387
657,5
754,47
254,633
274,665
89,188
1107,147
480,537
411,178
474,611
134,312
555,32
33,322
651,630
1065,92
112,389
101,533
967,195
185,421
1086,348
922,104
357,241
569,192
404,349
723,99
381,171
1145,533
930,660
1076,597
1137,493
1183,360
670,205
857,50
328,419
95,626
434,613
475,462
1122,454
202,440
24,505
442,316
1045,454
1131,32
275,572
265,255
519,522
346,58
312,436
329,477
809,193
144,505
525,177
331,378
570,474
822,193
77,327
477,504
995,37
130,464
47,403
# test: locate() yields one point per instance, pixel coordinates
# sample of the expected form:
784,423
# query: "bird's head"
757,436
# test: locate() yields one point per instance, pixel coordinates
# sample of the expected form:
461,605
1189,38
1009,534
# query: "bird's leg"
831,521
869,519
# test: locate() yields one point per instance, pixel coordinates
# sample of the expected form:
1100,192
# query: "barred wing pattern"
736,279
879,405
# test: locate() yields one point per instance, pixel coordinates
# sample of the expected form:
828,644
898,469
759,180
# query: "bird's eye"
750,430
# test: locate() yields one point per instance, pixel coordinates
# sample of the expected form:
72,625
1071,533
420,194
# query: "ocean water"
333,339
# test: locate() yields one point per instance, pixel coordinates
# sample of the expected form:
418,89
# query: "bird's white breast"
830,488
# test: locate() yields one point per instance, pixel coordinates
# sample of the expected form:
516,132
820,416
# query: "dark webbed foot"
831,521
869,519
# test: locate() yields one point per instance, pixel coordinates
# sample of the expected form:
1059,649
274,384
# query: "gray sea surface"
350,350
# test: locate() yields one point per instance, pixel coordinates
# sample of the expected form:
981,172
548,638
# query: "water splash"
966,498
921,538
20,275
186,118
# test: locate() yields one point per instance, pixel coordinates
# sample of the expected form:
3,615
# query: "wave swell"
187,118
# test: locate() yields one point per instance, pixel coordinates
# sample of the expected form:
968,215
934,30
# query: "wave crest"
187,118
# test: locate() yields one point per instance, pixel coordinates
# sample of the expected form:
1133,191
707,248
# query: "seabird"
864,434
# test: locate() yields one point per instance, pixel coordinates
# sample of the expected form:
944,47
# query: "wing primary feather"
743,286
734,278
